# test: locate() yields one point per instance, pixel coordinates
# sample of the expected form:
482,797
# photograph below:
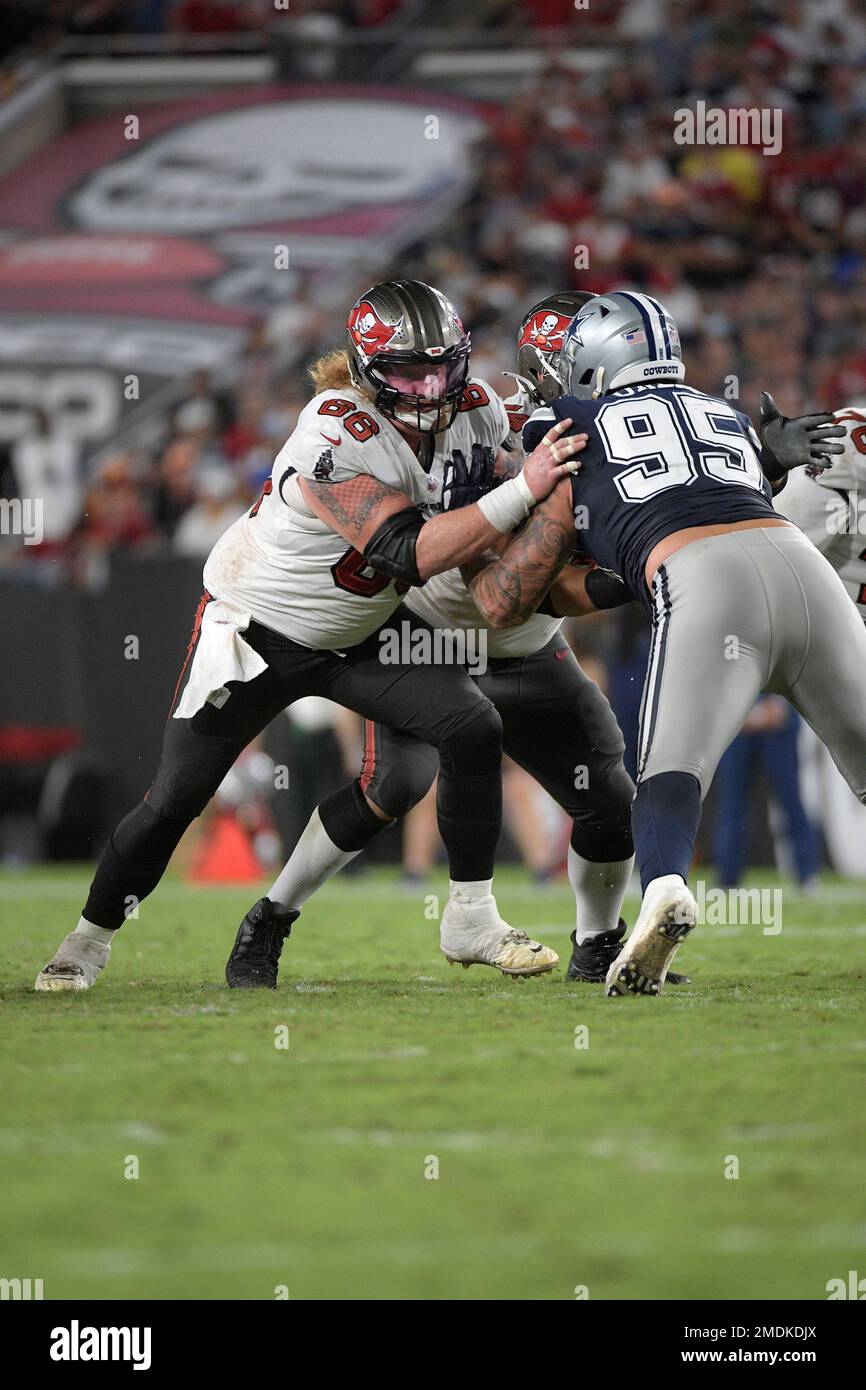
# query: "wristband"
508,505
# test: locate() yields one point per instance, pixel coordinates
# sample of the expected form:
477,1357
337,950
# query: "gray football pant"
738,614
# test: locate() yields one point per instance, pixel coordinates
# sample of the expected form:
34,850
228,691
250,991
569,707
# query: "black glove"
795,443
462,483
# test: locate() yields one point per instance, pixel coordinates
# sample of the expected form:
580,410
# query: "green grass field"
558,1167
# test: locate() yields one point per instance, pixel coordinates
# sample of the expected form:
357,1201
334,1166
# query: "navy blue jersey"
658,458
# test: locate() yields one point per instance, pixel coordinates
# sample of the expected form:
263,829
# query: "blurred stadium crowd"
578,182
762,259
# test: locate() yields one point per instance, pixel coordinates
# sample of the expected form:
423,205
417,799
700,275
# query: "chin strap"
599,383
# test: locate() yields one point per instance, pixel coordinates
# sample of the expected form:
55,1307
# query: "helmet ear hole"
587,377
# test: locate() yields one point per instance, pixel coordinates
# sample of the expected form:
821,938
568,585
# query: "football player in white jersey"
556,722
829,504
297,592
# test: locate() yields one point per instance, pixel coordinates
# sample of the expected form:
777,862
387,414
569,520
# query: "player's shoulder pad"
336,438
581,412
489,416
748,428
519,406
537,426
565,408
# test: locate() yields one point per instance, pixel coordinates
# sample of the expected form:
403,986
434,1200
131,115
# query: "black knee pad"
348,820
401,785
474,748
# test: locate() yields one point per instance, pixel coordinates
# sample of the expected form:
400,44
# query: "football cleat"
591,959
76,964
255,957
474,934
668,913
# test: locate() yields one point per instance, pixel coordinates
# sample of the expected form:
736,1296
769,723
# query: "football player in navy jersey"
673,500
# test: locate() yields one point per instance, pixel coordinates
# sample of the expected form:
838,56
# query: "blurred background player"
767,743
829,504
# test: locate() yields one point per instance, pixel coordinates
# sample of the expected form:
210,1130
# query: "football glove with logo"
464,483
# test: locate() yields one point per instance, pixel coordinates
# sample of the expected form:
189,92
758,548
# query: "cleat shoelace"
601,953
515,937
265,947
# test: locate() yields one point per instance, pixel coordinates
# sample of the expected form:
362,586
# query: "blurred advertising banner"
140,248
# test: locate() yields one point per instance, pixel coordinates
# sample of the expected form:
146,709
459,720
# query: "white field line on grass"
408,1252
430,1251
638,1148
50,889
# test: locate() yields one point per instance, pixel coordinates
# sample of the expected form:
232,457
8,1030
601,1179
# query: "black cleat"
255,956
591,959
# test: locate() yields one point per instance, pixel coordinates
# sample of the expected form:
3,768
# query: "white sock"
471,890
88,929
314,860
598,890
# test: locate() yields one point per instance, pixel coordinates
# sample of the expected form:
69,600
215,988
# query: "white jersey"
445,601
830,506
291,571
518,408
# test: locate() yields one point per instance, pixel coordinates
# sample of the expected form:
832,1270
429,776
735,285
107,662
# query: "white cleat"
474,934
76,964
667,914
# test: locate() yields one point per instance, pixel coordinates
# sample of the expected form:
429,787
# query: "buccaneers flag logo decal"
367,329
545,331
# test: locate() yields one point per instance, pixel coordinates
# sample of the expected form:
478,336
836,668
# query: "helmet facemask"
409,352
542,369
423,395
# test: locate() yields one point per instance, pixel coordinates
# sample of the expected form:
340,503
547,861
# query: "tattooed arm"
357,508
508,590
